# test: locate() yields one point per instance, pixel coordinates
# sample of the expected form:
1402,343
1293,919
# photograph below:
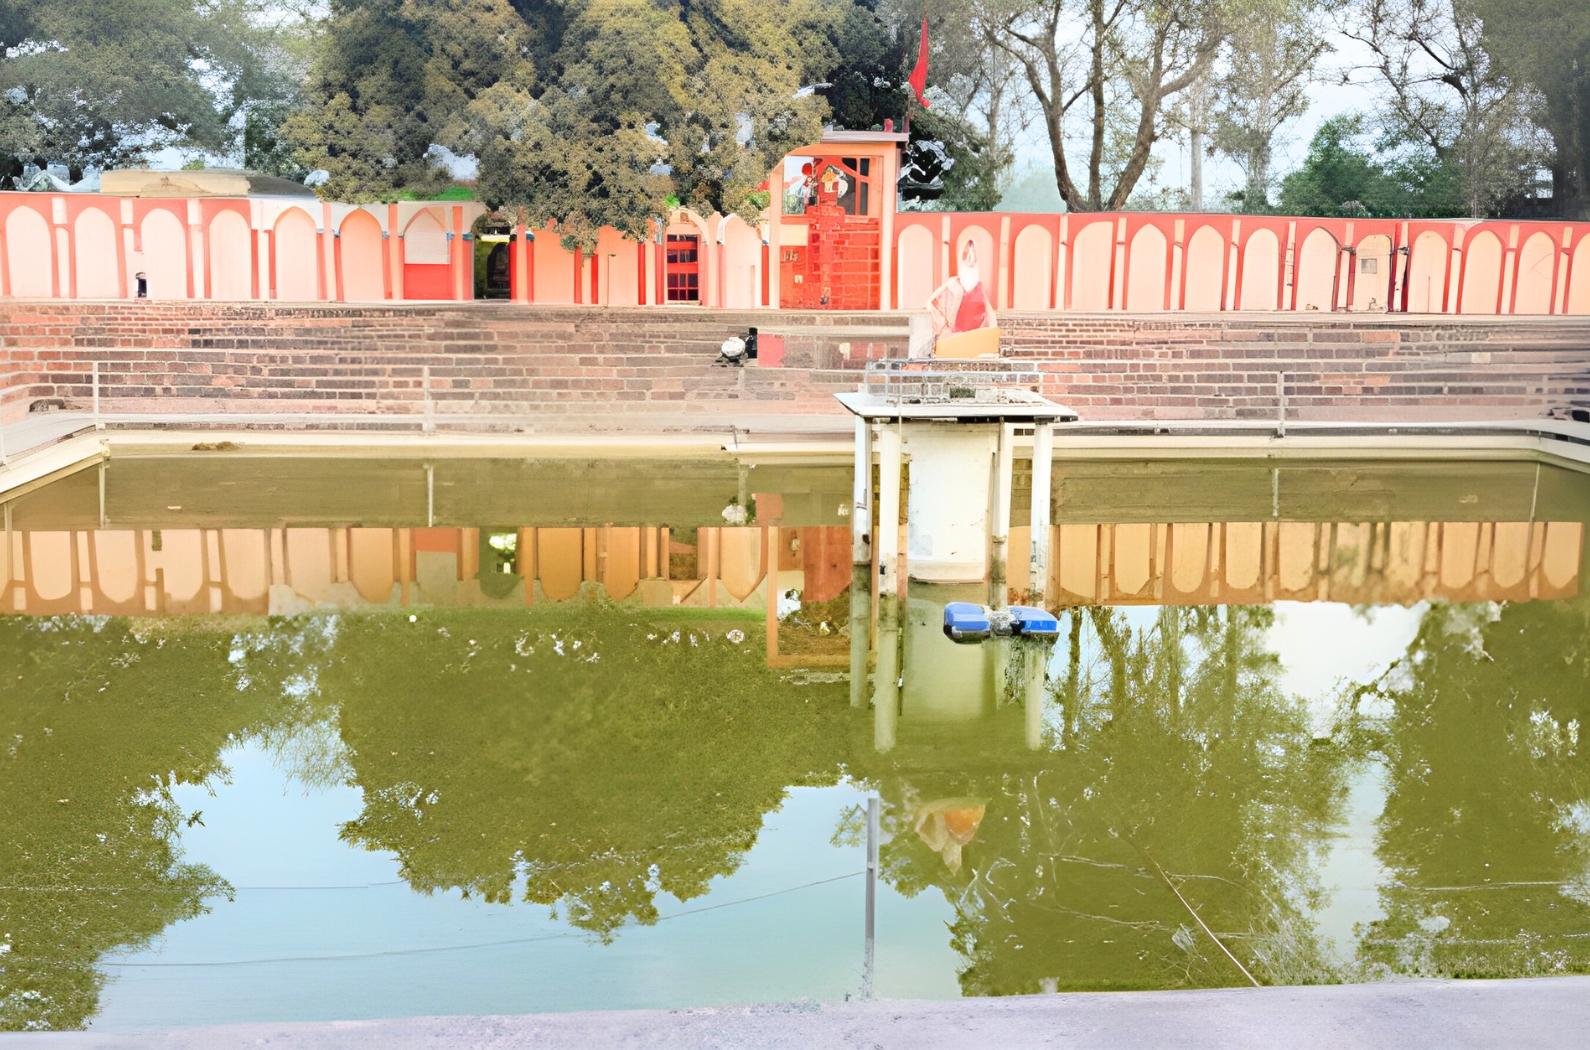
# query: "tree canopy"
103,84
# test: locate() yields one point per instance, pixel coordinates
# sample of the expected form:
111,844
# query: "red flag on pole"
918,79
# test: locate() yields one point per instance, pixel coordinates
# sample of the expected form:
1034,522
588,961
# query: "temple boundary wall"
85,246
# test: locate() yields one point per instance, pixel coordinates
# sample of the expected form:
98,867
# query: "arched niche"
1372,288
1579,278
1482,274
94,248
29,254
1316,271
742,265
1090,266
1261,271
1205,264
1532,293
1032,282
987,262
297,265
231,257
1145,273
425,240
915,270
363,261
1427,274
164,259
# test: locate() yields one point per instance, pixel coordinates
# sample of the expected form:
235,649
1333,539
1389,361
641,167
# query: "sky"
1033,164
1330,98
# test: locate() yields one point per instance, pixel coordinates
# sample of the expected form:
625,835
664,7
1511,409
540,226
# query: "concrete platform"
1542,1013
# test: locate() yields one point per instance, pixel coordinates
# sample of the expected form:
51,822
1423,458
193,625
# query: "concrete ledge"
1542,1013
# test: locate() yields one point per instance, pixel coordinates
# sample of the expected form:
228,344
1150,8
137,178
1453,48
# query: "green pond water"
593,805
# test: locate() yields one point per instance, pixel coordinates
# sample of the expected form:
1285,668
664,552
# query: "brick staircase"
499,365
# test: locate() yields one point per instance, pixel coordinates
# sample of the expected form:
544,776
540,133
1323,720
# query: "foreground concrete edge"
1543,1013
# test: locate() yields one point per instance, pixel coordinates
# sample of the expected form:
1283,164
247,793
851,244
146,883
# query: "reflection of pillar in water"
886,694
1034,665
886,679
861,564
999,520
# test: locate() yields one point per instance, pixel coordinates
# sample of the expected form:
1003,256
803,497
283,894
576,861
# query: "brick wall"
502,363
485,360
1340,367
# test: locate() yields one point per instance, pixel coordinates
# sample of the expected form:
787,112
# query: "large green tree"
586,112
1547,43
104,84
1343,174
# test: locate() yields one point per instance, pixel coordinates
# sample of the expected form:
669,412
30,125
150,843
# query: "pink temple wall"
91,246
1149,262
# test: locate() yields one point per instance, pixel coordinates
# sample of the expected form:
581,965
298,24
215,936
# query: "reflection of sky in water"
1324,645
303,894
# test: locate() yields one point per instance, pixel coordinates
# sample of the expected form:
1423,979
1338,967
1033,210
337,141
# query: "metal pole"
430,495
1280,404
1042,470
861,564
97,424
870,952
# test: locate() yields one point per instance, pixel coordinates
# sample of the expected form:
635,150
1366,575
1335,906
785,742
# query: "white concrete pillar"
1042,467
889,461
949,529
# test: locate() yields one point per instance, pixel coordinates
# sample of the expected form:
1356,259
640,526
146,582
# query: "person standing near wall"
960,305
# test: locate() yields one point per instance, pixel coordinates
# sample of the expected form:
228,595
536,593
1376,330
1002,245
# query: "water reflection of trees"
1177,754
1486,828
99,720
593,759
587,761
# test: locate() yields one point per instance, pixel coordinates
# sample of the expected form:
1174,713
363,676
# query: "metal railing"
929,382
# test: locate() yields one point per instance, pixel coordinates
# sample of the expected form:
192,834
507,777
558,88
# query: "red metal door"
684,268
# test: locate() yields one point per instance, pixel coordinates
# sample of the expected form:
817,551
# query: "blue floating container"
965,622
1034,623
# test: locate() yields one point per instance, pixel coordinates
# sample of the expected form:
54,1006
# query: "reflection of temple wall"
151,571
144,571
1202,563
